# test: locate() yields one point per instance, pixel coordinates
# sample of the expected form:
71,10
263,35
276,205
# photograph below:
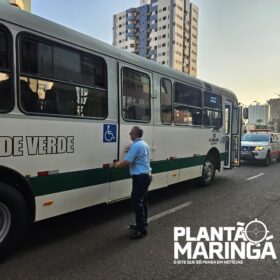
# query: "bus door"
135,109
232,135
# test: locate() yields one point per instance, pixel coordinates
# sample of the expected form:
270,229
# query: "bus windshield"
255,137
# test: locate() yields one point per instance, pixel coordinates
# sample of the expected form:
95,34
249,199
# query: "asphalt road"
94,243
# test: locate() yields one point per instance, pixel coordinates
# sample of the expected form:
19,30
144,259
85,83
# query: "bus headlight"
259,148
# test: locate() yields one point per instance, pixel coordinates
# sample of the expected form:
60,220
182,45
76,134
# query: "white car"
260,146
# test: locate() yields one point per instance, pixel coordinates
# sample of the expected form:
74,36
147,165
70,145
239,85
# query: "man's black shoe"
138,234
132,226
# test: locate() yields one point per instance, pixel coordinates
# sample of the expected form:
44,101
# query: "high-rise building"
274,109
274,113
258,114
22,4
165,31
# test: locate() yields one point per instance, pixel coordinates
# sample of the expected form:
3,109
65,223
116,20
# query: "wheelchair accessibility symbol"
109,133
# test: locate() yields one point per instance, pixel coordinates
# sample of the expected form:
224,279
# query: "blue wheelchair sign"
109,133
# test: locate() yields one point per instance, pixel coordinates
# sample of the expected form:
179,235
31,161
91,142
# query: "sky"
238,42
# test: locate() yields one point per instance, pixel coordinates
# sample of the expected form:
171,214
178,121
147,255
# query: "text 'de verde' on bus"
67,104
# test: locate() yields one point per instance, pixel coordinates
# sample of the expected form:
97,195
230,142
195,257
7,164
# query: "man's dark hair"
138,131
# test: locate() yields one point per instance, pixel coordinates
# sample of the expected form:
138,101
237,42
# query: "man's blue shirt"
138,157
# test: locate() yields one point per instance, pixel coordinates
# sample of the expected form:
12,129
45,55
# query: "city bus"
67,104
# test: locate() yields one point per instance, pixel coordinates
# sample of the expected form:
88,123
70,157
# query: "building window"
58,80
6,89
136,95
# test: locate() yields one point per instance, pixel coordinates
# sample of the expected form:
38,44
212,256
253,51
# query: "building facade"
274,114
258,112
165,31
22,4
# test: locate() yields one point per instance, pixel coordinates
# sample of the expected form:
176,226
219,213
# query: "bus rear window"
6,92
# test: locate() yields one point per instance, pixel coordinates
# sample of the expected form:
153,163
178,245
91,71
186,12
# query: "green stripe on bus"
42,185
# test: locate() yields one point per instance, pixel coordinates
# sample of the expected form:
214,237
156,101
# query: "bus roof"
45,27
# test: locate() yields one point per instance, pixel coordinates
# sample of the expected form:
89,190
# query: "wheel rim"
208,171
5,221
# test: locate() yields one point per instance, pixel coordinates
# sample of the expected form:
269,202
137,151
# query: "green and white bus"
67,104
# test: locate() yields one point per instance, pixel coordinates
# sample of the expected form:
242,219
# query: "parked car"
260,146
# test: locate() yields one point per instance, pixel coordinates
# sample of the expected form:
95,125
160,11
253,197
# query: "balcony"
131,18
17,3
131,26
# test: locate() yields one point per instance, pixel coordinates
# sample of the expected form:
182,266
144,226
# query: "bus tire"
208,172
13,218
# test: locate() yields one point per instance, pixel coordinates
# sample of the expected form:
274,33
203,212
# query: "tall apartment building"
165,31
258,112
274,109
274,114
22,4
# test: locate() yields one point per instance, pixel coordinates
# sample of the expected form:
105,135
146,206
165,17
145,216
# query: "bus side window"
212,113
68,82
187,105
166,101
6,89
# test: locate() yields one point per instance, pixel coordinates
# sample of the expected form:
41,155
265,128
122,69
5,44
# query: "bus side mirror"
245,113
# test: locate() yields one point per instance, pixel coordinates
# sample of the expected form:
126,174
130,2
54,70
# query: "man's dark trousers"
139,198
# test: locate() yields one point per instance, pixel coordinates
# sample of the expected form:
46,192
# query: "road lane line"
254,177
167,212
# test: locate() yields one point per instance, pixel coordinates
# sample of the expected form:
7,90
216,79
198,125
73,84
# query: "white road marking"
167,212
254,177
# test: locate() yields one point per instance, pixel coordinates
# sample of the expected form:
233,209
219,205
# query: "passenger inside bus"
206,120
29,99
66,97
6,99
135,112
49,103
61,99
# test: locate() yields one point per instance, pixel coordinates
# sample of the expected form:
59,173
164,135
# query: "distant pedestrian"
138,160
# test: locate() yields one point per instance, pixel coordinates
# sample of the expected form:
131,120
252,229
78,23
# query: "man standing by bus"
138,160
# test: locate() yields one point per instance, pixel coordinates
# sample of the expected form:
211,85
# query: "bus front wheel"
13,218
208,172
